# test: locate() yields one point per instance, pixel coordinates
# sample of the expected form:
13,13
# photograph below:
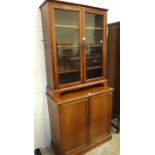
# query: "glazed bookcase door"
93,41
67,45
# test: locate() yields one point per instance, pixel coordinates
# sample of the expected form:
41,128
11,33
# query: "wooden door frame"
53,6
104,50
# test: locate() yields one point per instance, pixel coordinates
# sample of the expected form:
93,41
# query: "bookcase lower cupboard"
80,120
79,98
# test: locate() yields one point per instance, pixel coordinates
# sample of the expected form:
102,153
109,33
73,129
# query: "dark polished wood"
79,103
113,70
113,67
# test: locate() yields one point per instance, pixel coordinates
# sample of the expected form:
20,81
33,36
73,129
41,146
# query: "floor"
110,148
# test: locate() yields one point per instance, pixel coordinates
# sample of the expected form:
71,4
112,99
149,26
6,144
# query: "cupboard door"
68,51
94,45
100,116
74,127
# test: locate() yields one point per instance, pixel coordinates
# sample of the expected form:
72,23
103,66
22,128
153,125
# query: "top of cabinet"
79,94
70,3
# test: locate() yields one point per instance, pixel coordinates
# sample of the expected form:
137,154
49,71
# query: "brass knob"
83,38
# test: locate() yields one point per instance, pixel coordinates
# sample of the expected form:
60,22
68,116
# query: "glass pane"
94,62
63,17
67,36
94,45
94,20
67,43
94,37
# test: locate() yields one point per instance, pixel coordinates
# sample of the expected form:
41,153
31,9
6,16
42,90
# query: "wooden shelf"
75,58
69,71
91,57
94,28
67,46
93,68
76,70
67,26
95,45
75,46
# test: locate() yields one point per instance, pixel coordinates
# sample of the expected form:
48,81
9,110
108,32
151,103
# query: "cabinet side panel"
113,68
54,124
47,44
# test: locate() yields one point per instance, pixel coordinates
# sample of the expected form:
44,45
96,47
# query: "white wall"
41,119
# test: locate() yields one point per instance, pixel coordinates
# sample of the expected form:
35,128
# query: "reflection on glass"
69,66
67,43
94,37
94,62
63,17
94,42
94,21
67,36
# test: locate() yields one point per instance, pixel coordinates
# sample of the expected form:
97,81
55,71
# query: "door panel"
67,33
74,127
94,45
100,115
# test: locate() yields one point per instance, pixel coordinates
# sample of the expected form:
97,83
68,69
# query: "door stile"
89,119
80,46
87,124
104,49
110,112
53,45
104,44
54,50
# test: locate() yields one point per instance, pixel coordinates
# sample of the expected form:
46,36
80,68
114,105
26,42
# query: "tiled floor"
110,148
